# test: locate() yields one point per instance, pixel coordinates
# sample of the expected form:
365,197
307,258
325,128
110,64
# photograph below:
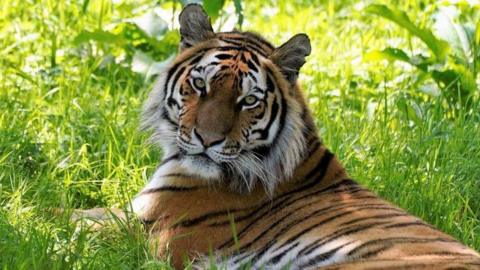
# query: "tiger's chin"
241,172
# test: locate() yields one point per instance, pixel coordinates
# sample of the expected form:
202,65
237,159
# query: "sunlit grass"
69,126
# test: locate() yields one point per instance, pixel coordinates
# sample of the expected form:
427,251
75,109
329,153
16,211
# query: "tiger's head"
228,108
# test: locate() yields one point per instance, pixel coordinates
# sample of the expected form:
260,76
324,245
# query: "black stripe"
172,102
239,47
251,38
260,217
252,77
313,147
449,254
377,206
177,76
214,63
167,188
170,158
270,84
323,256
291,239
207,216
244,41
333,208
373,252
275,208
251,48
193,59
278,206
372,206
252,66
273,116
283,114
340,233
320,169
285,202
255,59
258,39
374,217
224,56
279,256
407,224
395,240
166,116
242,257
242,58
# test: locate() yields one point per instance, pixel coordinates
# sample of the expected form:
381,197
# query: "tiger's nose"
208,138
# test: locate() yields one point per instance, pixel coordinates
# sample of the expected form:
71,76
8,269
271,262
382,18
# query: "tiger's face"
227,108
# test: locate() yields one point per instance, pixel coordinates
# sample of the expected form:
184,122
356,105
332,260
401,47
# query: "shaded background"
394,89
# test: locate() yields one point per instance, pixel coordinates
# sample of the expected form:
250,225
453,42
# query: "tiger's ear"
195,26
290,57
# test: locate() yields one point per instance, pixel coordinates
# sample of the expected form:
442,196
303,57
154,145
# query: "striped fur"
270,195
320,218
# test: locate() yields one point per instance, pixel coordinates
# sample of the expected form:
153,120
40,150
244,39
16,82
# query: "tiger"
245,179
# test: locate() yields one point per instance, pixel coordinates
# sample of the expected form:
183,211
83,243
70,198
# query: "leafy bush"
453,62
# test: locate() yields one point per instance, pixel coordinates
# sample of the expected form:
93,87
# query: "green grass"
69,125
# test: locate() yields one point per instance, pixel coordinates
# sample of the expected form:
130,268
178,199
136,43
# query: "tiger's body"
245,176
320,220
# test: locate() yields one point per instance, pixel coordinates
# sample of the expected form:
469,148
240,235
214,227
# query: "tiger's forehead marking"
238,63
237,60
248,40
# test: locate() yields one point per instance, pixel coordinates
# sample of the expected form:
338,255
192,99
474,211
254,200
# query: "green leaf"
457,77
467,79
85,6
438,47
213,7
144,64
409,111
456,35
99,36
476,56
390,54
395,54
239,12
151,24
477,34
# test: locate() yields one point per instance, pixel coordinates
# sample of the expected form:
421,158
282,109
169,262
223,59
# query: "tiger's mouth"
210,155
202,156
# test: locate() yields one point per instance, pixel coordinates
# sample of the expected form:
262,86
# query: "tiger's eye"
199,83
250,100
